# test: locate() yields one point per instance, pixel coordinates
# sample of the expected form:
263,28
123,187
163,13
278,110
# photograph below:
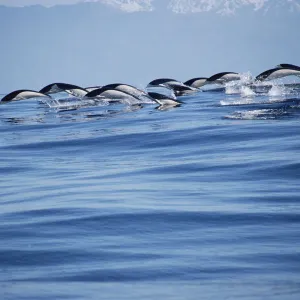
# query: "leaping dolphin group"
118,91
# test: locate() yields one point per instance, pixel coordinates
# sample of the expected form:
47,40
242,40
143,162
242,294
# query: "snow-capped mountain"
177,6
229,6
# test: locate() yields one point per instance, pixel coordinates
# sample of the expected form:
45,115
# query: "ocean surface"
200,201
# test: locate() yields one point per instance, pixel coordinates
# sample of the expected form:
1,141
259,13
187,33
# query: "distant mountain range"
177,6
230,6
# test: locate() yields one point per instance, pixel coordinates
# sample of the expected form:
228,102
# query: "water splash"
277,91
247,92
246,78
236,87
232,89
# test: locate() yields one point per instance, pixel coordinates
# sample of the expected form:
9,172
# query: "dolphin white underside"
282,73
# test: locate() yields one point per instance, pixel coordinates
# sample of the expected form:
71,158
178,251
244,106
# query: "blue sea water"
200,201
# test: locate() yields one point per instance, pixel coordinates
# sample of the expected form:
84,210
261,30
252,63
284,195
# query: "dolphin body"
58,87
163,99
282,70
178,87
196,82
116,92
223,77
288,66
23,94
219,78
132,90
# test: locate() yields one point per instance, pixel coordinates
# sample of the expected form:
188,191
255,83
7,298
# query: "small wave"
240,101
257,114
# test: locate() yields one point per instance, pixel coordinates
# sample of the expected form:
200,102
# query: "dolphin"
130,93
288,66
178,87
71,89
109,93
163,99
223,77
23,94
132,90
196,82
276,73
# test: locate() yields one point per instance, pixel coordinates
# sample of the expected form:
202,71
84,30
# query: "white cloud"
177,6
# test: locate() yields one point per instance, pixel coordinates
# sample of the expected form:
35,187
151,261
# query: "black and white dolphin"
58,87
288,66
178,87
111,93
118,91
164,100
196,82
23,94
276,73
223,77
130,89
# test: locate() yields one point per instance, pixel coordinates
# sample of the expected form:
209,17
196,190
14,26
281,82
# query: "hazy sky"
94,44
